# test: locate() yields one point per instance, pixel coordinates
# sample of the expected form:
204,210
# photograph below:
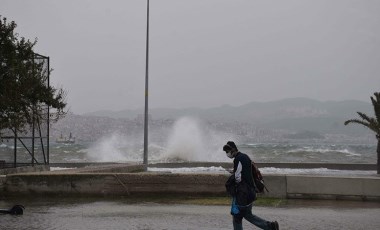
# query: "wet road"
121,215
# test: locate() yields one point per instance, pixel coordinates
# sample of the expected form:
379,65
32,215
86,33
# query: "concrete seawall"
366,188
124,180
114,184
141,183
37,168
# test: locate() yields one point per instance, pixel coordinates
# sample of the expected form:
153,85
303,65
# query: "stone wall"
130,179
114,184
123,184
329,187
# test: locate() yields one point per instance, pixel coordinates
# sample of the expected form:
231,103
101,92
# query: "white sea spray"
191,140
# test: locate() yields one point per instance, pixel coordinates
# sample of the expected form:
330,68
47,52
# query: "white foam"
59,168
185,141
108,149
212,169
191,140
266,171
323,150
314,171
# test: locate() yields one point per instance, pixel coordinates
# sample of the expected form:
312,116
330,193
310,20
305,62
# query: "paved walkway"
326,215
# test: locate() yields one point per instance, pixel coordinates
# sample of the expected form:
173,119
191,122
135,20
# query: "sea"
190,140
119,213
114,149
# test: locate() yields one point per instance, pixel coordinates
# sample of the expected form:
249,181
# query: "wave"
12,147
211,169
314,171
323,150
82,151
265,171
190,141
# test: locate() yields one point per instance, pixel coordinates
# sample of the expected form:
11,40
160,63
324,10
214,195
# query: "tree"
24,88
373,123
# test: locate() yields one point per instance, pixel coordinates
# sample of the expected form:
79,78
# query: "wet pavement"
119,214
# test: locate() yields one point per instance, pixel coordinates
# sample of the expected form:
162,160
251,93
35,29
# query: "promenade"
129,179
346,202
120,214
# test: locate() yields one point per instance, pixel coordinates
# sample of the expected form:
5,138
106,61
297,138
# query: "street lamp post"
145,162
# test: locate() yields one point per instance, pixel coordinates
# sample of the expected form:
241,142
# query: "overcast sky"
204,53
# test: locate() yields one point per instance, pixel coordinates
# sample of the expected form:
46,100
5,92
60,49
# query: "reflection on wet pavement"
120,214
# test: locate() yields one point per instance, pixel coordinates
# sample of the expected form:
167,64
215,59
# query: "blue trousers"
246,213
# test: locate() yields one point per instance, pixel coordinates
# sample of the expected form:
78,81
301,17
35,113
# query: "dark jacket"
242,169
240,184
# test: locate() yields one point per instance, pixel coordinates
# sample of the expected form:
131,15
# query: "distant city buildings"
93,128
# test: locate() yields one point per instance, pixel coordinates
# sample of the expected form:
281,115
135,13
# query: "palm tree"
371,123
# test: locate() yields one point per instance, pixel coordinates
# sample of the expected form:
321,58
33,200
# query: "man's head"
230,149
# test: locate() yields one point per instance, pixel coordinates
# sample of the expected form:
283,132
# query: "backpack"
258,179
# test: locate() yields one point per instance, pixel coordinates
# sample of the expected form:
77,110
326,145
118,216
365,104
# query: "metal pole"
33,109
48,118
15,150
146,90
33,137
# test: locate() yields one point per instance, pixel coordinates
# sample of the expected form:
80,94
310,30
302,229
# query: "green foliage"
372,123
24,92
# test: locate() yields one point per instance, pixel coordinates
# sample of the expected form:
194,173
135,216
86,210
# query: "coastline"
130,180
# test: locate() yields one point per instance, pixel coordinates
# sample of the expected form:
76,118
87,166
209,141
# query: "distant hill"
294,114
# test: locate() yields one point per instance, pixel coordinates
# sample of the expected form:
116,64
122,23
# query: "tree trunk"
378,156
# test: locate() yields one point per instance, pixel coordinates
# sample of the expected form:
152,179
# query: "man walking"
245,190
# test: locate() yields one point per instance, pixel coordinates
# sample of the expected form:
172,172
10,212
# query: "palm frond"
372,125
357,121
364,117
